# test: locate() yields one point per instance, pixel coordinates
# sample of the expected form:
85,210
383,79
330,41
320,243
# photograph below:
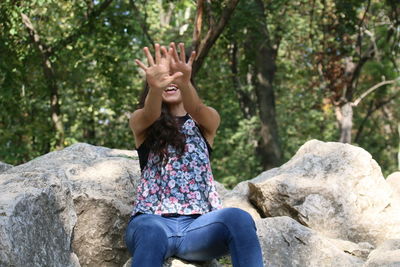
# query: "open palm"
179,64
158,73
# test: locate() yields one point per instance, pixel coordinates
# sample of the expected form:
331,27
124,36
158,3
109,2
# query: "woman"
177,211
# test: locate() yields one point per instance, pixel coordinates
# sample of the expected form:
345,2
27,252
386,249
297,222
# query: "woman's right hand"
158,74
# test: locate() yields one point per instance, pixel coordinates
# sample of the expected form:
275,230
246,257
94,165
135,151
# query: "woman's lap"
203,238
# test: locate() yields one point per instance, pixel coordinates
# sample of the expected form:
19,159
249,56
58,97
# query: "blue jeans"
152,238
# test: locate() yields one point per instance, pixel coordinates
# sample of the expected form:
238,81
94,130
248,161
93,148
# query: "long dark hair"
164,131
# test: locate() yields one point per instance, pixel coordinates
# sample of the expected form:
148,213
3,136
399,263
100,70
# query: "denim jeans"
153,238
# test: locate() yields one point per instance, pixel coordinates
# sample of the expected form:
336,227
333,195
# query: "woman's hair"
164,131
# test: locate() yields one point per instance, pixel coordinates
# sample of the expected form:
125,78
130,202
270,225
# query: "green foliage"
99,83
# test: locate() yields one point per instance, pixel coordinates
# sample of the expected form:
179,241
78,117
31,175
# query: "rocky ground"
328,206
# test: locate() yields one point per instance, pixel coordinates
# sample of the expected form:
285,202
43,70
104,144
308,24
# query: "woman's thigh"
204,243
146,231
209,236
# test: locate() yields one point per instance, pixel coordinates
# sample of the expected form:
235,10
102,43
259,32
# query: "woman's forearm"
191,100
152,104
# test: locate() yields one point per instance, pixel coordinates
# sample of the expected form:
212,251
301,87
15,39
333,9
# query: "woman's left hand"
179,64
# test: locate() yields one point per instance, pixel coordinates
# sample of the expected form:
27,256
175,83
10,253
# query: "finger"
158,54
164,52
182,52
149,57
192,57
175,53
170,54
172,61
141,65
176,75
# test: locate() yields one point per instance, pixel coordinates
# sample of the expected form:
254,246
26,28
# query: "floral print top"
180,184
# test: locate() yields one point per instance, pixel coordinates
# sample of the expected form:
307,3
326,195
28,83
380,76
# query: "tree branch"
198,23
372,110
370,90
364,121
212,35
34,35
359,36
210,16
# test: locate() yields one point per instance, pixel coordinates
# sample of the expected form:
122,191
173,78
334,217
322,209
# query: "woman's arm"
158,77
207,117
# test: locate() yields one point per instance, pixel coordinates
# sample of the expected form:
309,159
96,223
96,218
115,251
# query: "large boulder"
335,189
37,217
65,205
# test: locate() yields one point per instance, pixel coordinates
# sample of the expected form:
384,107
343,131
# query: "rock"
36,217
336,189
222,191
285,242
103,190
71,208
4,167
79,198
174,262
360,250
394,181
387,254
238,198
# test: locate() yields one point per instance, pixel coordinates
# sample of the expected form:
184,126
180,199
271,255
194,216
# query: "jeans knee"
147,234
237,218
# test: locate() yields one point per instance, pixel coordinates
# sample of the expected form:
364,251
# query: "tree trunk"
344,116
51,82
89,127
246,101
56,117
89,131
261,51
268,147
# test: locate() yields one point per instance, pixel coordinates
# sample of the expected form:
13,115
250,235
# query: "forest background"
279,72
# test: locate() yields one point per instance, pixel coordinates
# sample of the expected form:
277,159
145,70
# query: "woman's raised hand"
158,73
179,64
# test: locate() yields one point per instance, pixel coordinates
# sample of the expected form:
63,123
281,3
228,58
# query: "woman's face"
172,94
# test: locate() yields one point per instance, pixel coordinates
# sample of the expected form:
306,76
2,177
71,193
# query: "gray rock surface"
238,197
335,189
37,217
103,190
285,242
387,254
5,166
394,181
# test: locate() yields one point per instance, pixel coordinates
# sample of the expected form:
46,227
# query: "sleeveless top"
180,184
